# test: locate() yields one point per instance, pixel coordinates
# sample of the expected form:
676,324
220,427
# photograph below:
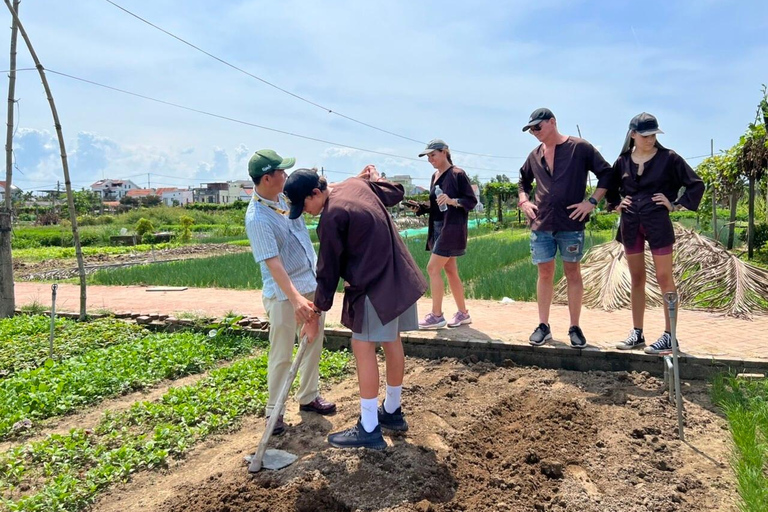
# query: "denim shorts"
544,246
374,331
437,229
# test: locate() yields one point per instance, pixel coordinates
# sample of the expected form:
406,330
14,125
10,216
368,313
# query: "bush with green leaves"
143,226
760,238
186,222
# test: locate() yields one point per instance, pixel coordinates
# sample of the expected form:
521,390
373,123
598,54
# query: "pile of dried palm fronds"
708,277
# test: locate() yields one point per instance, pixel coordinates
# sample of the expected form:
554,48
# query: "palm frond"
708,278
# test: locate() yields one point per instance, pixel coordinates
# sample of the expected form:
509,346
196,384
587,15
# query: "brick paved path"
700,334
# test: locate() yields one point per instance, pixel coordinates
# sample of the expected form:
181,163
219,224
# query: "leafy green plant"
186,222
25,339
57,388
144,226
66,472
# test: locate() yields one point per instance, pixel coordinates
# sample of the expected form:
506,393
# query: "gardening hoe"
277,459
672,301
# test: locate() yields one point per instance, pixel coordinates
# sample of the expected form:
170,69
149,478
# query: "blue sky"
467,72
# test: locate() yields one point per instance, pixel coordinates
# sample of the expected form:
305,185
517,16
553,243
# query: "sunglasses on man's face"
535,128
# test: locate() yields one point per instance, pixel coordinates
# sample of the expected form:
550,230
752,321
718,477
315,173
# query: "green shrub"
144,226
760,238
603,221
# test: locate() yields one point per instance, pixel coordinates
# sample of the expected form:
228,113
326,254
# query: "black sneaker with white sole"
578,340
540,335
634,340
662,345
392,420
357,437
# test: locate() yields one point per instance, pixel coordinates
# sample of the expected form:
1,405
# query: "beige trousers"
283,332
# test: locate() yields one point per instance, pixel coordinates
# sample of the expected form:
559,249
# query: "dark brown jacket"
558,188
360,244
455,185
667,172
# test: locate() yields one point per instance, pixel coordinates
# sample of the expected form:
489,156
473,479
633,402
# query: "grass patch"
745,404
491,268
58,253
238,271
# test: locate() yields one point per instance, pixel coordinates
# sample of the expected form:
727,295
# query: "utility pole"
148,183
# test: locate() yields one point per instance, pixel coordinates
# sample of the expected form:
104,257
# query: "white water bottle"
439,191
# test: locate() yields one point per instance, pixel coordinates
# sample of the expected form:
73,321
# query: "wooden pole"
7,295
65,165
715,233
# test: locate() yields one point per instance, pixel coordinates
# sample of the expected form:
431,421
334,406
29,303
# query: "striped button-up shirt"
273,234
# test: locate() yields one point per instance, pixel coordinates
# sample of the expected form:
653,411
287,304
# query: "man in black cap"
359,243
284,251
559,165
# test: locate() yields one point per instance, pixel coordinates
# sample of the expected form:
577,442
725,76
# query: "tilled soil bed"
481,438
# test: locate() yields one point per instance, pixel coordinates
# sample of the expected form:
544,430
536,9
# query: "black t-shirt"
434,208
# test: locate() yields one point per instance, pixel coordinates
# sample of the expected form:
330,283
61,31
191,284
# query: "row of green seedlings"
66,472
59,387
25,339
57,253
493,267
745,404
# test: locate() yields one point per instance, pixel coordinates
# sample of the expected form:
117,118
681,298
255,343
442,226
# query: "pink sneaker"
432,322
460,319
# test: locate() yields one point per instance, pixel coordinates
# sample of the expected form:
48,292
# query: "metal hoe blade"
274,459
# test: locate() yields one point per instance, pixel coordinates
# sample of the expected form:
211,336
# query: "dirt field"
481,438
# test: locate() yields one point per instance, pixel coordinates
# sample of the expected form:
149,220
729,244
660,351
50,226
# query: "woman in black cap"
451,198
647,178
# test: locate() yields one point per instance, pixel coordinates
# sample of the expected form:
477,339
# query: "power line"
247,123
286,91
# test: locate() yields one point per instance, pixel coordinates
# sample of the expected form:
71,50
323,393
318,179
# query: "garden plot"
481,438
46,263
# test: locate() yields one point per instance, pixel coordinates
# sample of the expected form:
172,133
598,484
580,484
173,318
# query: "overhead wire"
290,93
248,123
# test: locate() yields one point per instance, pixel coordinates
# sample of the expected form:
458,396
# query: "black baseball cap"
298,187
644,124
539,115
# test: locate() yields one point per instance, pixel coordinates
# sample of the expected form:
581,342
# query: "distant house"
113,190
141,192
406,181
211,193
246,193
175,196
15,191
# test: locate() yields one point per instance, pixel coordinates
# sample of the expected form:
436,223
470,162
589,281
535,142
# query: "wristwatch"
593,201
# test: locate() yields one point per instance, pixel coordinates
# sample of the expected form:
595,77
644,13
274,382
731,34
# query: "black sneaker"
634,340
577,337
540,335
392,421
663,344
357,437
